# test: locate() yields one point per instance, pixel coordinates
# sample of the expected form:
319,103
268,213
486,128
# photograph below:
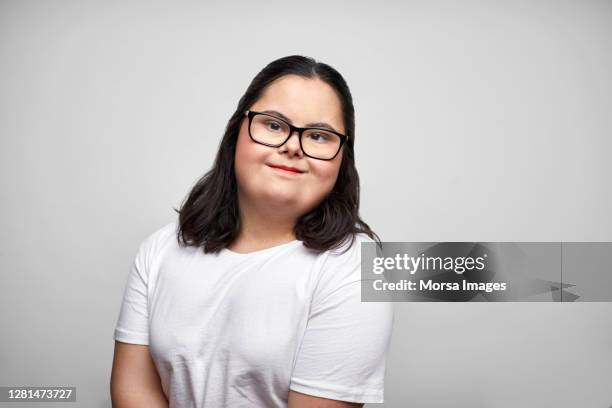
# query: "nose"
292,145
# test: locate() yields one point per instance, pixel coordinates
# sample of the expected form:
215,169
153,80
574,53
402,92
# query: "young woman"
252,298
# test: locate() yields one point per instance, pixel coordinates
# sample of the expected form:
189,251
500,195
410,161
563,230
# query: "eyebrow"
312,124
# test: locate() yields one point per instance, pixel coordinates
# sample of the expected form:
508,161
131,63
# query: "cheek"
325,174
248,156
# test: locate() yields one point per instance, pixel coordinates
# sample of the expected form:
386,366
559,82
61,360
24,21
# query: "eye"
319,137
272,125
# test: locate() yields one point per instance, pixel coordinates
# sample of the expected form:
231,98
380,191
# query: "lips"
286,168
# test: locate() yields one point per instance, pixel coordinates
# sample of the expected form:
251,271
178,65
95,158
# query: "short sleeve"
133,322
343,352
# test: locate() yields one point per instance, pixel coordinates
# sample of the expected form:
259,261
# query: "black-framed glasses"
318,143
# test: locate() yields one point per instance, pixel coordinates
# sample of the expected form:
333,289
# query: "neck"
260,229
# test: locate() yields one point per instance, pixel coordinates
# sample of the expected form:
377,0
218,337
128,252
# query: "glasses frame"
251,114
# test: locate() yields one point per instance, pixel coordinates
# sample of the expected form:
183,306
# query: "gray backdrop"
476,121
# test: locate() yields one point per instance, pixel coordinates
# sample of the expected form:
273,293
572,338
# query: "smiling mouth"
286,169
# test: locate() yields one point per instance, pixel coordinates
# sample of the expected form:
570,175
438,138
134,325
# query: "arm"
342,355
299,400
134,381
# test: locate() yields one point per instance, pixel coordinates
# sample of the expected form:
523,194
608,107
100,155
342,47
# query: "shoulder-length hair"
209,217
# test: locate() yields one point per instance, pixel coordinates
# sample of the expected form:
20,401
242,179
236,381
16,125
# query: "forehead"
303,100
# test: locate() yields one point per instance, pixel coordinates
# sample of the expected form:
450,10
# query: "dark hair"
209,216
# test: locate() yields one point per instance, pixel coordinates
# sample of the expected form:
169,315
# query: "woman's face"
302,101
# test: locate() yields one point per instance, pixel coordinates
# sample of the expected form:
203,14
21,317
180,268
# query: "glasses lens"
320,143
266,129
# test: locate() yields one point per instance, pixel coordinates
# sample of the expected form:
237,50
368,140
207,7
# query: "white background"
475,121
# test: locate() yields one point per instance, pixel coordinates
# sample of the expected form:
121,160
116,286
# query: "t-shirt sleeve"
133,322
344,348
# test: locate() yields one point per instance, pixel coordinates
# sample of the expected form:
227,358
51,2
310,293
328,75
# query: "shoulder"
161,234
340,282
350,248
344,262
156,240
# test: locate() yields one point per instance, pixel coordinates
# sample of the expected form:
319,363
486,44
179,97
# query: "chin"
281,198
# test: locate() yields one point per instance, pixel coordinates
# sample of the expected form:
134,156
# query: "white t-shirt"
240,330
